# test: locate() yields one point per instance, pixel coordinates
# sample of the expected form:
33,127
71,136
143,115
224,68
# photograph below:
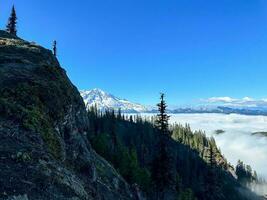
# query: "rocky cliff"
44,153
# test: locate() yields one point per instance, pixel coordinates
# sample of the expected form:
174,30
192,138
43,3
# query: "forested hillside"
191,166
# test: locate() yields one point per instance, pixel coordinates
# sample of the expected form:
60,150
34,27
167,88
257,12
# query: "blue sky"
189,49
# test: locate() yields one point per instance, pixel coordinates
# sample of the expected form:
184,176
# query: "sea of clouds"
237,142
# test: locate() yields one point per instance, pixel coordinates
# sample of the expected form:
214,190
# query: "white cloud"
220,100
237,142
245,99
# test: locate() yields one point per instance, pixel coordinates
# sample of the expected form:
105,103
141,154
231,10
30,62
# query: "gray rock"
44,151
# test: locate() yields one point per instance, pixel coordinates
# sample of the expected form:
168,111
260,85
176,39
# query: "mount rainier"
105,101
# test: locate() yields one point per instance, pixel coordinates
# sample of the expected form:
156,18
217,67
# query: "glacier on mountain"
104,101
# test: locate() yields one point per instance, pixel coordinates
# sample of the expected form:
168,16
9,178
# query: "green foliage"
131,145
162,121
36,104
130,155
123,159
100,144
144,179
35,121
245,175
53,143
134,173
163,171
163,165
198,141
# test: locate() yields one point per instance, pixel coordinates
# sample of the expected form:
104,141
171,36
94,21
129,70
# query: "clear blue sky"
190,49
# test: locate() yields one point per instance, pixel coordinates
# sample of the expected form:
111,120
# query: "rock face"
44,151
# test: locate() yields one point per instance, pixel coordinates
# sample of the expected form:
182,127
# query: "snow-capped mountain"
105,101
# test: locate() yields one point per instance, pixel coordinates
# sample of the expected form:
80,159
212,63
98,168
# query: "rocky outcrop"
44,151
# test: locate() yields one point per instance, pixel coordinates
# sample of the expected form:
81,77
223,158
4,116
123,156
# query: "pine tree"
113,135
162,118
119,115
245,174
213,179
163,172
12,22
210,156
131,118
55,48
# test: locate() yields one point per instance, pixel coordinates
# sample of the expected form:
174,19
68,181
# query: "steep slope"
105,101
44,153
191,171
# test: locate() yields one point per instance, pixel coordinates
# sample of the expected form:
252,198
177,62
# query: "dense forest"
166,160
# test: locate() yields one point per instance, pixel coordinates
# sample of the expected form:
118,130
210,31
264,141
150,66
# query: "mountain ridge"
106,101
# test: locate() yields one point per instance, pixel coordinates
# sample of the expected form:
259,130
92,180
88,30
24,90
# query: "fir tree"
163,172
213,179
131,118
114,137
55,48
12,22
210,155
162,118
245,174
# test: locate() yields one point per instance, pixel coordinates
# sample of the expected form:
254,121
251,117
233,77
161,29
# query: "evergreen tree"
162,118
114,138
163,172
213,179
12,22
164,168
245,174
210,156
55,48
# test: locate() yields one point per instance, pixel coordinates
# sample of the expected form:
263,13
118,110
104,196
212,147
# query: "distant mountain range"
223,110
104,100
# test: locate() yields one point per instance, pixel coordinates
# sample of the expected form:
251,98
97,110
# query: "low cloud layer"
237,142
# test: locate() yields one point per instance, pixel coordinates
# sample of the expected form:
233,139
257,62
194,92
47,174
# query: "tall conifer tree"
12,22
162,118
163,172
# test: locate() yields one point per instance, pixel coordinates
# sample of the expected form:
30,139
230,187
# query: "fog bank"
236,142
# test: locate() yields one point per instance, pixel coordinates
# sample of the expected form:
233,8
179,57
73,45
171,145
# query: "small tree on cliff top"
12,22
